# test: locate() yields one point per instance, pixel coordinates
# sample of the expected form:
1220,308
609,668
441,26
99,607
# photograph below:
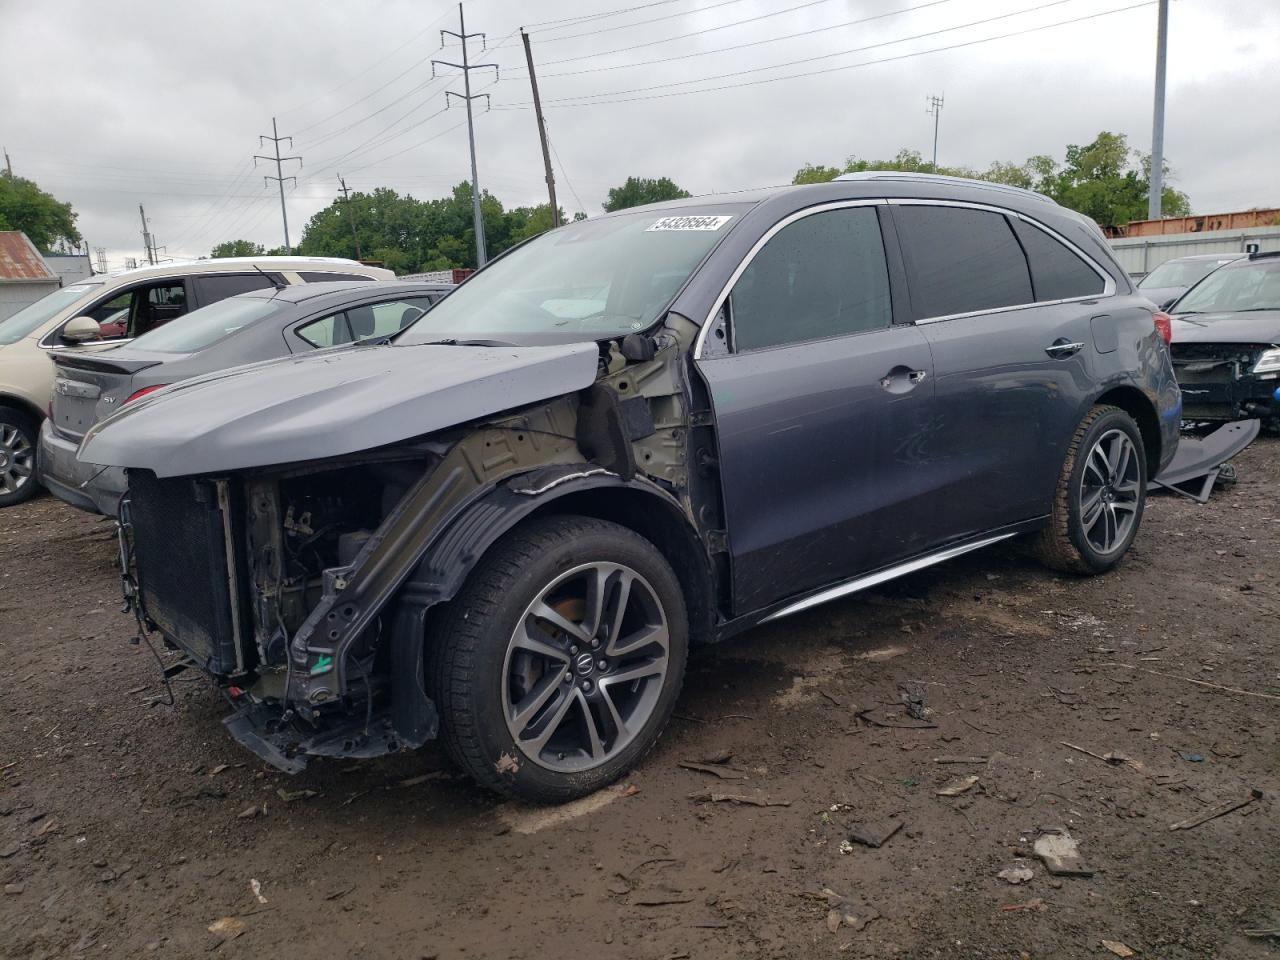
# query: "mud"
128,828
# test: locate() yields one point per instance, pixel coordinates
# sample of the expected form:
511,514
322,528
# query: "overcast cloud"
109,105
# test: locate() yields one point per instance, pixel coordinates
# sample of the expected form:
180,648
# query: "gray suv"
506,527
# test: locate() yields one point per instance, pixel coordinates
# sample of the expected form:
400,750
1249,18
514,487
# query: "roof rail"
941,179
1260,254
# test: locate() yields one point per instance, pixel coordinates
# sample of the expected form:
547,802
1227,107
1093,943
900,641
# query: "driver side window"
822,276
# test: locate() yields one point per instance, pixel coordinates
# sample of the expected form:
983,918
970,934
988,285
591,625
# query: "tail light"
137,394
1164,325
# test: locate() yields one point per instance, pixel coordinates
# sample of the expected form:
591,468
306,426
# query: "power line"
838,53
618,98
581,206
550,24
279,178
736,46
672,16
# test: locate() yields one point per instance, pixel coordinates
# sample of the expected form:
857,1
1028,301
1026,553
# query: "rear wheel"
18,439
1101,494
557,667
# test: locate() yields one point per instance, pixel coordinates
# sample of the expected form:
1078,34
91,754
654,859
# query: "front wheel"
557,667
1100,497
18,439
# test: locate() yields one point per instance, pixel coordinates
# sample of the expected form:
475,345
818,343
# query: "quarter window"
309,276
1056,272
961,260
821,276
365,321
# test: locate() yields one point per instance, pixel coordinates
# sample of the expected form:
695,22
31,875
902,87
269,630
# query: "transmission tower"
466,66
935,110
279,178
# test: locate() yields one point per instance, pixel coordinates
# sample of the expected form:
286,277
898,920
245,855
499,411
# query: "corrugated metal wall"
15,296
1141,255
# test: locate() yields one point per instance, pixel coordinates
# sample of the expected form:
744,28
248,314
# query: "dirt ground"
128,828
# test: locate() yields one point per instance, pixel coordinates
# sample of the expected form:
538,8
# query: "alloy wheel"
585,667
17,459
1109,492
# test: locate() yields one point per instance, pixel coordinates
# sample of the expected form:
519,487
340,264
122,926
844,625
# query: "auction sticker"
688,223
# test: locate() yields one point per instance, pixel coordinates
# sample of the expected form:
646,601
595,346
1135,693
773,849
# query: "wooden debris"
968,761
1221,810
1119,949
957,787
228,928
876,833
738,798
716,770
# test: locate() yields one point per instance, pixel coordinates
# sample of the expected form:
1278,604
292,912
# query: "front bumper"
86,486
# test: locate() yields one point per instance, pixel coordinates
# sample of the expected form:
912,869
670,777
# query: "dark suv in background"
633,433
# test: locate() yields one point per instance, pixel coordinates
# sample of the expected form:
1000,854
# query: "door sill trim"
881,576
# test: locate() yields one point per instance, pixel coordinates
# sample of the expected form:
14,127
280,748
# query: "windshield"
1255,286
206,326
1179,273
589,280
29,319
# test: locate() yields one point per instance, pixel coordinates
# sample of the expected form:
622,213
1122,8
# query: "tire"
1088,535
516,690
19,441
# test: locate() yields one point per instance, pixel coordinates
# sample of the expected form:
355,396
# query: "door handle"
1062,347
902,379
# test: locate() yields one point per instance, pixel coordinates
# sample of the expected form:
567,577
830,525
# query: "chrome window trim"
882,576
1108,281
755,249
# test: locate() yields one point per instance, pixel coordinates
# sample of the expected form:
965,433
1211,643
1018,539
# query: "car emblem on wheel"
584,663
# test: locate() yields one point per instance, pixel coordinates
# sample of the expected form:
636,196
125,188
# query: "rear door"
819,400
1006,307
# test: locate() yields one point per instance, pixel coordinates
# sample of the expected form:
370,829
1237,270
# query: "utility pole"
279,178
542,131
8,164
935,109
466,66
346,202
146,237
1156,181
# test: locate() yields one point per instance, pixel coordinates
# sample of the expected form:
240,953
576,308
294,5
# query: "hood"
1162,296
1262,326
329,403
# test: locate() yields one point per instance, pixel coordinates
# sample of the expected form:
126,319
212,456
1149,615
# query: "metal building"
1145,244
24,276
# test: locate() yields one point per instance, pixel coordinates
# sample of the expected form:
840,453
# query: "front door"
819,406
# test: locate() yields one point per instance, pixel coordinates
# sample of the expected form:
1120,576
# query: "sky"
161,102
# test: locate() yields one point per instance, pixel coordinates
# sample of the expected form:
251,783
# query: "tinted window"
369,320
155,306
960,260
314,277
822,276
219,287
1056,272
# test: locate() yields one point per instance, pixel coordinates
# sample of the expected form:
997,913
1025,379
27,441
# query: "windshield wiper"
453,342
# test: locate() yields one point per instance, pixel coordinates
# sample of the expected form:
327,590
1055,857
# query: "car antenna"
275,280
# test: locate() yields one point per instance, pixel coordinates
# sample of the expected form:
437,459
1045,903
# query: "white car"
110,309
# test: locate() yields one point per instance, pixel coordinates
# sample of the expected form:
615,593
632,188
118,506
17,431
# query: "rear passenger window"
220,286
314,277
1056,272
822,276
368,320
961,260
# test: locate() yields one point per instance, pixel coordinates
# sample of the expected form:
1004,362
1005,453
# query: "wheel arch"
637,504
1135,403
23,406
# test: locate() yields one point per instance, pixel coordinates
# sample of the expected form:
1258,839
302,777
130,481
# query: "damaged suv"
507,526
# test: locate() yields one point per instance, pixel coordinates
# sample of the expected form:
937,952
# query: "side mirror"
81,330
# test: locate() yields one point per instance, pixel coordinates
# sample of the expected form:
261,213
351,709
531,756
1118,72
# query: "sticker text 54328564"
688,223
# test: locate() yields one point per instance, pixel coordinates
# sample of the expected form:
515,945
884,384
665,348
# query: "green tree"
1104,180
641,190
42,217
236,248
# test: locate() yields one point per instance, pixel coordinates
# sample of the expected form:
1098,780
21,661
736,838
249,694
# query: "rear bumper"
86,486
